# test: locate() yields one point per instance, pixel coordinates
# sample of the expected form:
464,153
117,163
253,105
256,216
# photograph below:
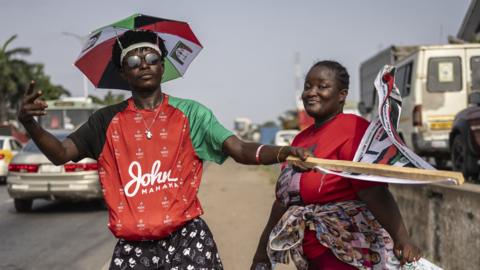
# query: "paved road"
236,200
54,236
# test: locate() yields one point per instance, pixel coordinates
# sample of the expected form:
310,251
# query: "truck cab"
67,113
242,127
434,82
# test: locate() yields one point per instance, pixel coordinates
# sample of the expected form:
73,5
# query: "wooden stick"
381,169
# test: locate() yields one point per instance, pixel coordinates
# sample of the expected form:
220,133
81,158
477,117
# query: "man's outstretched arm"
58,152
251,153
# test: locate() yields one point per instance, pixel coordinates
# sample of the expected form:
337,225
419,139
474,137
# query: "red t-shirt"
338,139
150,185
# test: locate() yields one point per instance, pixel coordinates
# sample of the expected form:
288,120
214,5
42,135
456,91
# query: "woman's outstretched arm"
261,253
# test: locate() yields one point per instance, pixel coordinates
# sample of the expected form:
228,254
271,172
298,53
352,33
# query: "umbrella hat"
95,58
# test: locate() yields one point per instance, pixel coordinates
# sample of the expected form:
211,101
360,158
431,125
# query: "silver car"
32,176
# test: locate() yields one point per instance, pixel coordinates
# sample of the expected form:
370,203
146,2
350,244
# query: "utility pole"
298,81
81,40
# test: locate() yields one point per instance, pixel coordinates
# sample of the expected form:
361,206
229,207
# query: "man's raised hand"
31,105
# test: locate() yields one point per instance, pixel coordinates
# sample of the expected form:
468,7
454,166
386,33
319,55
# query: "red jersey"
150,185
337,139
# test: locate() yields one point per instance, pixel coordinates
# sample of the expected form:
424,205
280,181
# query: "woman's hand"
406,251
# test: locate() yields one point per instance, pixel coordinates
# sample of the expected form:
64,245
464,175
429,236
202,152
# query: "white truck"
67,113
242,126
435,82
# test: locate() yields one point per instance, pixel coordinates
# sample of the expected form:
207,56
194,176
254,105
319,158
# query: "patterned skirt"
190,247
347,228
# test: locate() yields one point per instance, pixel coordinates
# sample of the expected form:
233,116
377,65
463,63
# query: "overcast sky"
247,65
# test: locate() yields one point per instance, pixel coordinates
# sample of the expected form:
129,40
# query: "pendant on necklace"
148,134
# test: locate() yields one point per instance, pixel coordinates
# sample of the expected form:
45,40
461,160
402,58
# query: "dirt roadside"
237,200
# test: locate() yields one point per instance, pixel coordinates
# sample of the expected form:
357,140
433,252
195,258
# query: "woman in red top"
334,136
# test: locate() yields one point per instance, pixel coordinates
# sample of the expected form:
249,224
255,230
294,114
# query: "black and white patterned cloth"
189,248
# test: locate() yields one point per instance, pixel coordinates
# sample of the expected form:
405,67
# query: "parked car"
11,130
465,139
32,176
9,147
285,137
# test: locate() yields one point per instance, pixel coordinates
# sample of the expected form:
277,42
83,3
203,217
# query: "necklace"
148,132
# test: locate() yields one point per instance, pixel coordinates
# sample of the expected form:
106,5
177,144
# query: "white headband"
139,45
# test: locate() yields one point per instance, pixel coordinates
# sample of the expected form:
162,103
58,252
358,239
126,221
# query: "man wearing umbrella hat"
150,150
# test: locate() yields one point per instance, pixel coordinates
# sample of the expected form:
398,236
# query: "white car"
9,147
32,176
285,137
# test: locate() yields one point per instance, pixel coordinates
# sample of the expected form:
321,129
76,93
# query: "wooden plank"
382,170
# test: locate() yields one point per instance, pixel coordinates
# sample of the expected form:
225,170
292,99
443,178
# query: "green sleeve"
206,133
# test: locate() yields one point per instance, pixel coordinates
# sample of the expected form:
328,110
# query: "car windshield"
65,119
32,147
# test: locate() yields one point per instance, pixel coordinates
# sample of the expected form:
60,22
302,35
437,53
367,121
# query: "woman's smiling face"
321,95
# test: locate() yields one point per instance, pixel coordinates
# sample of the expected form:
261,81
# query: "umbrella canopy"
95,59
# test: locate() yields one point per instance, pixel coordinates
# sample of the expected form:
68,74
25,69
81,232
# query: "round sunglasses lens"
151,58
134,61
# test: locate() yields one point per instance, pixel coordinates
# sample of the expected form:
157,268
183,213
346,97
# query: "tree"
96,99
109,98
13,75
16,74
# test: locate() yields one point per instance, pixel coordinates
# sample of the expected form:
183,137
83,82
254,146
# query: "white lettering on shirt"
147,180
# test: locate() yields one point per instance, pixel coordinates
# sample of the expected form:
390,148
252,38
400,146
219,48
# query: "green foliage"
15,75
96,99
109,99
50,91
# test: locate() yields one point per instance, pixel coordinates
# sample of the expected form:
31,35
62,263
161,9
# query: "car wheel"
441,162
22,205
462,160
101,204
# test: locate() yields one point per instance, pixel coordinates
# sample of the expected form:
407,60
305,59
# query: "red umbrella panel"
95,59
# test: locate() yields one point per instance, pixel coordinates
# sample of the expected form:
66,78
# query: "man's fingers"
37,113
41,102
303,154
30,88
31,98
299,167
34,106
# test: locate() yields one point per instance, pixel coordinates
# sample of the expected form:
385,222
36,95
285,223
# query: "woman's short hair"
341,73
132,37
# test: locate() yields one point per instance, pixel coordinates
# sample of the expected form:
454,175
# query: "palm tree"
108,99
14,75
111,98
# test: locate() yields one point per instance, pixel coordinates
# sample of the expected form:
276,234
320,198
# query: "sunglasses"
135,61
